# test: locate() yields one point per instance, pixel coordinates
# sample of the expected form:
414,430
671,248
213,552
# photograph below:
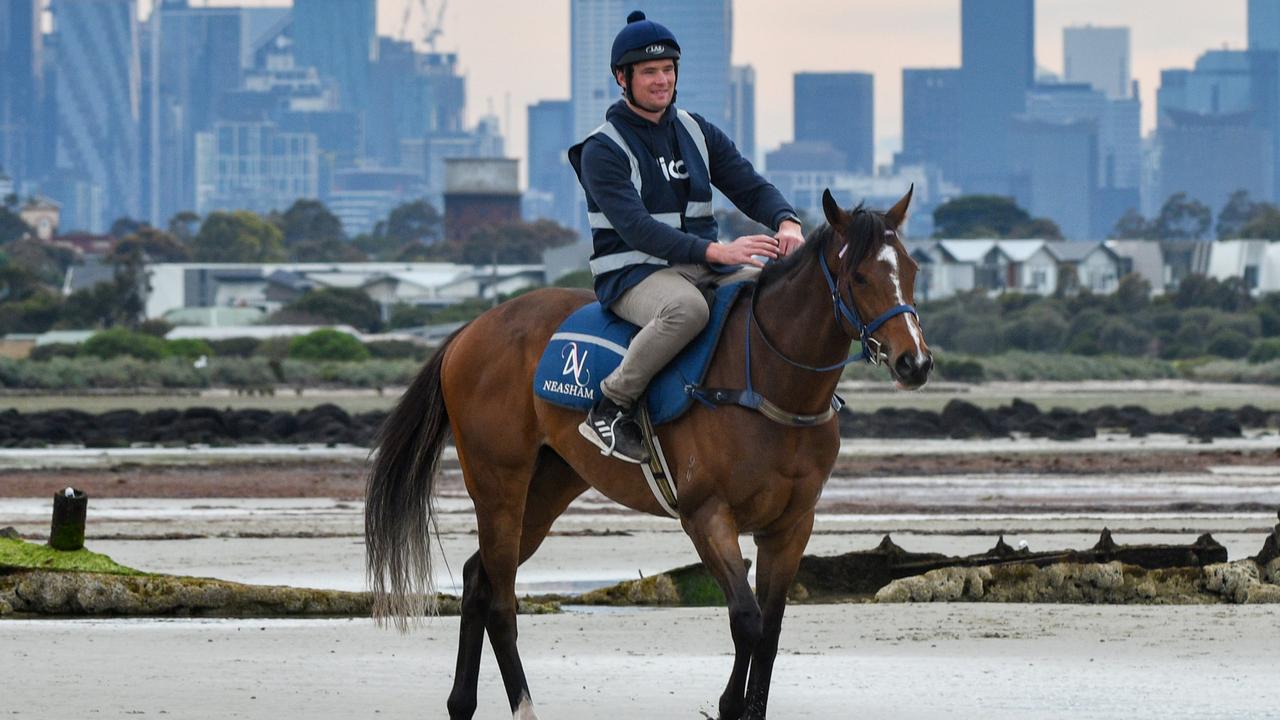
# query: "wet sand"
866,661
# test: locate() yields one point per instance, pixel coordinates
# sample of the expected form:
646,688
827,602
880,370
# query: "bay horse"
738,471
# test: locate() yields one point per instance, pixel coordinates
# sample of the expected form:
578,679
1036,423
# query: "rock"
1240,582
943,585
1271,573
965,420
1113,583
10,532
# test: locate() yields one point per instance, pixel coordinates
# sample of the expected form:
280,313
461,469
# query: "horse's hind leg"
553,486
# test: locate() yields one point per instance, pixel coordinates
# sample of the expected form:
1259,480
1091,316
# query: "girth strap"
755,401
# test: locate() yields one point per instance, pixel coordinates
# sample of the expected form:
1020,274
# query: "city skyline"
503,79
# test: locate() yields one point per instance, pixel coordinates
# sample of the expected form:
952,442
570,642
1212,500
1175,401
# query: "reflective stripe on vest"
697,209
617,261
611,132
599,221
695,130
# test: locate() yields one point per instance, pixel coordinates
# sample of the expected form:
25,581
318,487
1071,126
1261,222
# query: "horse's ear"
835,216
898,213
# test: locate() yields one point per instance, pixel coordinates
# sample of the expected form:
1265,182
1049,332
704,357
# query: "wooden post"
69,509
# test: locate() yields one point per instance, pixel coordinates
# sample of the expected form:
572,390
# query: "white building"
270,286
1256,261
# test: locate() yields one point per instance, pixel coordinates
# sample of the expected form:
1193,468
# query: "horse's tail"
399,499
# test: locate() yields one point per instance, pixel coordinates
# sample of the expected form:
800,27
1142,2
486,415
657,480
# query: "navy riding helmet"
641,40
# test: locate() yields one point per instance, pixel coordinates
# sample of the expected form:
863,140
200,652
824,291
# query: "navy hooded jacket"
648,193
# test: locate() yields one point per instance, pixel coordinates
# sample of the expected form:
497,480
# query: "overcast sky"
516,52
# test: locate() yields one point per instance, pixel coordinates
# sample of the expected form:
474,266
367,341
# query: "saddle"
591,342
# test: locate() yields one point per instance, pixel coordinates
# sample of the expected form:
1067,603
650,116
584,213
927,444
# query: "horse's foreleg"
715,535
778,559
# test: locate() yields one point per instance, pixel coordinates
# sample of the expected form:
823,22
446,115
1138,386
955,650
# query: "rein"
844,313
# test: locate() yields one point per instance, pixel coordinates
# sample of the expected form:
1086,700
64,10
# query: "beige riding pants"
670,311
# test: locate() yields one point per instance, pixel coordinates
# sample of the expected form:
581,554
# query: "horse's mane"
867,232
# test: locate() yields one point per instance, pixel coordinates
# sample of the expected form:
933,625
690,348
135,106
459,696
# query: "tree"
1038,228
417,221
516,242
48,263
989,216
148,245
327,345
1132,226
1133,293
239,236
183,226
1230,295
1264,225
17,283
347,306
1182,218
1238,211
106,304
126,226
13,227
308,221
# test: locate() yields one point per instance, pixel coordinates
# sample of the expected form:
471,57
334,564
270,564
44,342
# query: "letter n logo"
574,364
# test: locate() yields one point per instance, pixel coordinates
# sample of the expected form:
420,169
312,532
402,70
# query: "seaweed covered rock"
688,586
1111,583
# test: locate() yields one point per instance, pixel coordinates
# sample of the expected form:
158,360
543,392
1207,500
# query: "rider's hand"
742,250
789,237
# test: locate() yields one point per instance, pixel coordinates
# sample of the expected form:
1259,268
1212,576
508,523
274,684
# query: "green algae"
21,555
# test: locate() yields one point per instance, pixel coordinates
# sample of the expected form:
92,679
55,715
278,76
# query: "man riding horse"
648,172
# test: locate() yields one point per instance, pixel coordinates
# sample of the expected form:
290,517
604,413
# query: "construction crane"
430,29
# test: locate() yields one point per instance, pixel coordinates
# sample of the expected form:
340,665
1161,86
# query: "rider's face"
653,84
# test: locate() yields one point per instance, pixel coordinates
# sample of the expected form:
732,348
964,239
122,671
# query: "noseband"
844,313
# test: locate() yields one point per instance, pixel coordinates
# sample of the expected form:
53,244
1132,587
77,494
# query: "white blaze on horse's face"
889,256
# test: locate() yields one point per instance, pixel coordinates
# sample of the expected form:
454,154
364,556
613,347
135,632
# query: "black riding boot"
614,430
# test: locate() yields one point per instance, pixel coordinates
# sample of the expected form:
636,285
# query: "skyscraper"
742,110
997,68
930,100
20,84
97,88
592,25
1056,166
194,56
340,40
838,109
1098,56
1208,116
1264,25
550,135
704,30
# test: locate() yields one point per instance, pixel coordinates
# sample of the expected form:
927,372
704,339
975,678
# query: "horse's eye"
859,278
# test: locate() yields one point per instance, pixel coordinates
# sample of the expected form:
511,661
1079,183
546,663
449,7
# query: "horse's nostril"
906,365
928,365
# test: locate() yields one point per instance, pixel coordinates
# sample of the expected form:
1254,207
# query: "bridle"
845,313
872,350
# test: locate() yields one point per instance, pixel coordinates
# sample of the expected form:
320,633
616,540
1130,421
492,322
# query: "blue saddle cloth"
590,343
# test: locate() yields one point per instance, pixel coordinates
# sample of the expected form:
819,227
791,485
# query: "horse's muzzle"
912,371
